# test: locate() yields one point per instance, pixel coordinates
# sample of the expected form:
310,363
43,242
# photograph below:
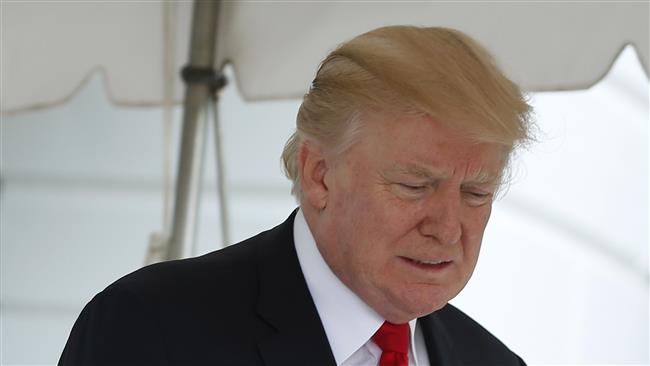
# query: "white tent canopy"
275,46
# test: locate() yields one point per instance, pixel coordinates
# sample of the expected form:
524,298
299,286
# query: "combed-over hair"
436,71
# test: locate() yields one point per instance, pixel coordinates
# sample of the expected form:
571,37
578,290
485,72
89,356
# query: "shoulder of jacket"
474,344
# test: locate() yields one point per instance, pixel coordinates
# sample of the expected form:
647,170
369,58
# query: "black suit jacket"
247,304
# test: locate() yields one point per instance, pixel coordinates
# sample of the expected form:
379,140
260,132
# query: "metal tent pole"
201,81
221,181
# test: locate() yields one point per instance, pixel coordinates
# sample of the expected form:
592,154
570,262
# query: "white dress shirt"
349,322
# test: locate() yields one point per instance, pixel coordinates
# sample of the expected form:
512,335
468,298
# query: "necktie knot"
393,339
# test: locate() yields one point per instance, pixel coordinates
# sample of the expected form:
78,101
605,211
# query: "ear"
313,167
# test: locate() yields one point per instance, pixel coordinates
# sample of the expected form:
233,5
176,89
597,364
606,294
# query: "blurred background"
87,176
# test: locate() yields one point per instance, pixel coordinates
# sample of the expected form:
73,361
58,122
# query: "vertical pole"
221,181
195,119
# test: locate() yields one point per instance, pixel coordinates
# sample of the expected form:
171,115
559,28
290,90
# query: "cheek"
383,218
352,216
370,219
473,232
354,196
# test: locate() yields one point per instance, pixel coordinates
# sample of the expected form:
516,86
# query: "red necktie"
393,339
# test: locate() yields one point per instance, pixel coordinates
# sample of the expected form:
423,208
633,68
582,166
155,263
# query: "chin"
418,302
430,308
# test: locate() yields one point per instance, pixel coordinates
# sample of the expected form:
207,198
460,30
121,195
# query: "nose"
441,220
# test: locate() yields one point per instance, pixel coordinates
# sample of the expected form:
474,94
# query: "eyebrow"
420,172
480,177
483,177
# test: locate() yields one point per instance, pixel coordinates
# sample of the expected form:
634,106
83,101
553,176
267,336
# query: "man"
401,145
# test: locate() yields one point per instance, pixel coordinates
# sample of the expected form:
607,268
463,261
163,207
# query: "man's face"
405,213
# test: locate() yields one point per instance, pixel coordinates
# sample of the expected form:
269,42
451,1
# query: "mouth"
427,265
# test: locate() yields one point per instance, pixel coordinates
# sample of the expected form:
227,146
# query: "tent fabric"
49,49
275,48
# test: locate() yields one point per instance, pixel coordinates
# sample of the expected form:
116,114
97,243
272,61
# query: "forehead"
420,146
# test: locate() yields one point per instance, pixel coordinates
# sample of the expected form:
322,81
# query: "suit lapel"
286,305
438,342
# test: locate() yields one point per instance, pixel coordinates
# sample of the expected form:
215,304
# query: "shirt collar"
348,321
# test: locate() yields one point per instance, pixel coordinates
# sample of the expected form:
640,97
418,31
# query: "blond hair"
440,72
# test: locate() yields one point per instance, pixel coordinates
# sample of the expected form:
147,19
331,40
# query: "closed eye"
477,198
412,187
410,191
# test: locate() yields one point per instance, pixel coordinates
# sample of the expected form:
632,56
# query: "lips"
431,265
427,262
